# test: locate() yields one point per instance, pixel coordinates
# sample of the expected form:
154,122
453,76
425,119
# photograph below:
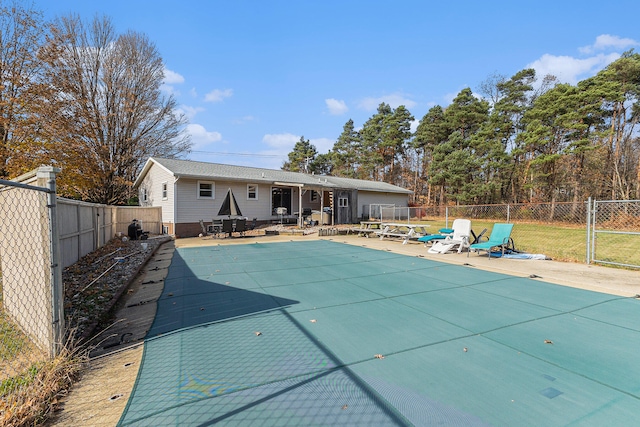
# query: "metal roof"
218,171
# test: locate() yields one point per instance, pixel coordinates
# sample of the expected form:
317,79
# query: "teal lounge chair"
445,232
500,237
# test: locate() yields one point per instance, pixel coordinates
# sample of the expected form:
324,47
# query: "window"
343,202
252,192
206,190
313,196
164,191
144,196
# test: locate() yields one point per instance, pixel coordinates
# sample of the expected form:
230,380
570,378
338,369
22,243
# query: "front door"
280,197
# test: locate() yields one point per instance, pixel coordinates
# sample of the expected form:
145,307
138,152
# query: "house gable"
157,183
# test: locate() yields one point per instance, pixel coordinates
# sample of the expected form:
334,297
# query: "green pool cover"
320,333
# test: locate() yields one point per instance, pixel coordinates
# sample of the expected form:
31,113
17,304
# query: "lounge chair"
458,239
444,233
500,237
432,238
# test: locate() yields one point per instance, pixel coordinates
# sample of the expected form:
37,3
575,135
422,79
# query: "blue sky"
255,76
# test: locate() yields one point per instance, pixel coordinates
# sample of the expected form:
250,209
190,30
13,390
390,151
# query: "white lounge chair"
459,239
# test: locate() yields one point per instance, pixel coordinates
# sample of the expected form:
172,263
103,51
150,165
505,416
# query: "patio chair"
216,227
241,226
458,239
500,237
227,227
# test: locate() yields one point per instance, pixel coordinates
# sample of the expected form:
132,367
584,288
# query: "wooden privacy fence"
84,227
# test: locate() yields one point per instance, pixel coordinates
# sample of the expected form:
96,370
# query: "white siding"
153,183
260,208
191,209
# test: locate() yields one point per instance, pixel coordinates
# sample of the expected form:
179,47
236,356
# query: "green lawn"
562,242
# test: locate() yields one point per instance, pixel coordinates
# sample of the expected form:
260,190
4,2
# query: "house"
190,191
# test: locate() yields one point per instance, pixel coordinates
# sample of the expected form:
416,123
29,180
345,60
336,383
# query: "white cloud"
218,95
284,141
279,146
414,125
188,111
193,92
170,90
449,97
200,137
171,77
394,100
569,69
336,107
607,41
323,145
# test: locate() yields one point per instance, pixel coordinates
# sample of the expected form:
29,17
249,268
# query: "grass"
12,340
30,397
30,383
562,242
13,384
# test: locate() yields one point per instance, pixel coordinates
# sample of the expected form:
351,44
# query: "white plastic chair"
459,238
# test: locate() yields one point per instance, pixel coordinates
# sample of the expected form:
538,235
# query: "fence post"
47,176
446,216
588,254
97,222
594,213
508,212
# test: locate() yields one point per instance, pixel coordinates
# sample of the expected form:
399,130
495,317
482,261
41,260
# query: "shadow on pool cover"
189,301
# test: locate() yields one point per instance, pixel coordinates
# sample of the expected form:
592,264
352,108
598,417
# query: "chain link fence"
557,230
31,323
39,235
606,232
615,232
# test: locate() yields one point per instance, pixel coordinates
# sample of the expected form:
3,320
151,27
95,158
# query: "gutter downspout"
175,204
321,222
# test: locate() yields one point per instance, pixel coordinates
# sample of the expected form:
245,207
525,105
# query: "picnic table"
404,231
368,227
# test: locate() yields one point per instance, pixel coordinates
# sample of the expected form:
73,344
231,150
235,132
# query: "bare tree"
103,108
21,33
490,87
